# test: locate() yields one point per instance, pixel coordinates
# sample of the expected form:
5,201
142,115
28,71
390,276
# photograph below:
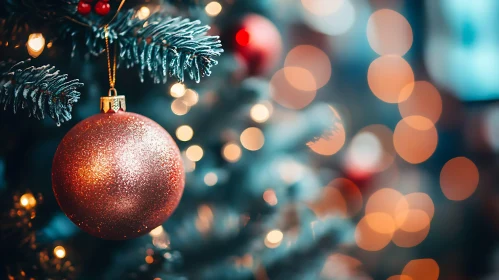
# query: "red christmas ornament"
117,175
259,42
102,8
84,8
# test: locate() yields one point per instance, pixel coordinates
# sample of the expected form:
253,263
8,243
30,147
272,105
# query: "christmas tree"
315,138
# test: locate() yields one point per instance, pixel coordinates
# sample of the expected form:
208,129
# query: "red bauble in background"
259,42
118,175
84,8
102,8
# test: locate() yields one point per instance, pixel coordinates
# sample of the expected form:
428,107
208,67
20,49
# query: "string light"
27,201
213,9
143,13
177,90
210,179
59,252
184,133
231,152
35,44
259,113
194,153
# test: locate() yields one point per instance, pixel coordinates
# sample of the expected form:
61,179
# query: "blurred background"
335,139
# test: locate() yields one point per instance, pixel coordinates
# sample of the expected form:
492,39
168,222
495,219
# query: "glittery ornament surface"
118,175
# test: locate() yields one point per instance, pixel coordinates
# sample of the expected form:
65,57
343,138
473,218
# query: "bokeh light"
459,178
364,153
179,108
252,138
322,7
59,252
307,68
336,18
270,197
387,201
417,200
143,13
27,201
385,137
231,152
412,220
389,32
210,179
260,113
340,266
381,222
35,44
213,8
284,93
194,153
420,99
184,133
399,277
331,141
157,231
388,76
177,90
412,144
422,269
369,239
190,97
273,238
406,239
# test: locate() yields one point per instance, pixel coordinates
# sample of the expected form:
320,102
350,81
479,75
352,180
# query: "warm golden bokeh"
412,144
210,179
421,99
459,178
389,32
59,252
177,90
322,7
179,108
422,269
194,153
368,239
143,13
27,200
231,152
273,238
412,220
284,93
314,61
387,76
252,138
190,97
260,113
399,277
300,78
213,9
387,201
184,133
381,222
270,197
420,201
406,239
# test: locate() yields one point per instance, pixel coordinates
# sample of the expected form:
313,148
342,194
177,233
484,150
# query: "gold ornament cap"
112,103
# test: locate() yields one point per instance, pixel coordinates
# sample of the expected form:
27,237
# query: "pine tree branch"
40,90
160,45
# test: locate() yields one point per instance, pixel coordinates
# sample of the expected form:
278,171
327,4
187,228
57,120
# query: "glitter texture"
118,175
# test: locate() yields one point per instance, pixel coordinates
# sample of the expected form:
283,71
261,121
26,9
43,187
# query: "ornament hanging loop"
112,90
